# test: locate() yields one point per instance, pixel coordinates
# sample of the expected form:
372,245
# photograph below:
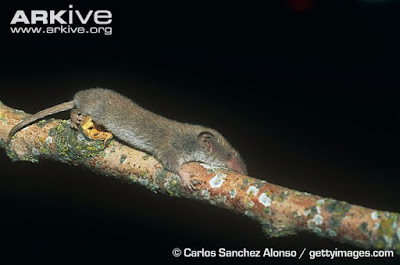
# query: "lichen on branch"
280,211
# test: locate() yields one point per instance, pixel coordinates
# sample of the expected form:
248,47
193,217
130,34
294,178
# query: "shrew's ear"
206,141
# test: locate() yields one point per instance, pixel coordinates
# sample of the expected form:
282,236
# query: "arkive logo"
62,21
100,17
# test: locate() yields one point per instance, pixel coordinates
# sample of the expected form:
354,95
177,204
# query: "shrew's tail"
39,115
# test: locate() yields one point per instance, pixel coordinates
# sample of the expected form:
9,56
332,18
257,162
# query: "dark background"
307,91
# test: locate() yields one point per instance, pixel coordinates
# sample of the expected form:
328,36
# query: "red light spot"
299,5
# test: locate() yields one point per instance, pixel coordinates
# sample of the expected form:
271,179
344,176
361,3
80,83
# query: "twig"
280,211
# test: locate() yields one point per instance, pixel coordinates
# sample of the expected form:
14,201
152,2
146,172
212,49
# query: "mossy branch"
280,211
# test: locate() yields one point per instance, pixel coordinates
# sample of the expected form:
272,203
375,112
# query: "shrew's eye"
228,155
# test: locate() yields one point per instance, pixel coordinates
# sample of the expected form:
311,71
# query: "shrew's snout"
237,166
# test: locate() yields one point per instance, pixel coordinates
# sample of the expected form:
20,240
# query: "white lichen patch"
250,204
376,226
143,181
317,220
374,215
331,232
265,200
249,213
252,190
217,180
320,202
49,140
35,151
81,137
306,212
232,193
205,194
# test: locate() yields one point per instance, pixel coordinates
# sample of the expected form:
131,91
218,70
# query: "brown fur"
172,142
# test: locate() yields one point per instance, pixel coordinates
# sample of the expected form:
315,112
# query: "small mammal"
172,143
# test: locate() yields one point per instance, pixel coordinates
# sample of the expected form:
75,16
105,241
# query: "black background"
308,96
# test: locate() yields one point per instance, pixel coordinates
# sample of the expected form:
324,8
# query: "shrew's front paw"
77,118
188,181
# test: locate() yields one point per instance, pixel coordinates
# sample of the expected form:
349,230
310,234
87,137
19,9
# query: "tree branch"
280,211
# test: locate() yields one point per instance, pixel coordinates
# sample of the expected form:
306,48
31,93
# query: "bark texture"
280,211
